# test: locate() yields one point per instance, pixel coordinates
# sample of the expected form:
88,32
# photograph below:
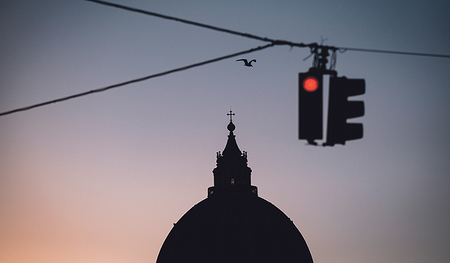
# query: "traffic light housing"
340,109
310,105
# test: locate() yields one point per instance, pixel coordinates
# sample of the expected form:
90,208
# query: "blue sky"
103,178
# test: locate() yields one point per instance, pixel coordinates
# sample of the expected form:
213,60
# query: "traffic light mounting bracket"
321,54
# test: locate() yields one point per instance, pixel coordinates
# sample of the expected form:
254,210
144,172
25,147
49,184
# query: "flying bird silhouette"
247,63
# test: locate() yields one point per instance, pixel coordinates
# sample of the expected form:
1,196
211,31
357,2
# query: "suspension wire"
275,42
136,80
343,49
265,39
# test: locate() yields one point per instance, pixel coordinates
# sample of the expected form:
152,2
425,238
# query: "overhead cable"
274,41
132,9
393,52
136,80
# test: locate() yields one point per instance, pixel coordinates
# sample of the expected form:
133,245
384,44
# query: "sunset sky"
102,178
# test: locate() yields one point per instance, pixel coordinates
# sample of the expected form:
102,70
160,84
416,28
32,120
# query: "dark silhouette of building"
233,224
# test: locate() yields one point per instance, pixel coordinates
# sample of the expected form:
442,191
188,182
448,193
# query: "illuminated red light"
310,84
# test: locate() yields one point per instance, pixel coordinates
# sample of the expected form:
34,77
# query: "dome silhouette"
234,224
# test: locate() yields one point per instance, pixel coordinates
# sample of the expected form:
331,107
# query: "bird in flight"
247,63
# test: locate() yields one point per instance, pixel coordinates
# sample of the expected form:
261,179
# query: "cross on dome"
231,114
231,126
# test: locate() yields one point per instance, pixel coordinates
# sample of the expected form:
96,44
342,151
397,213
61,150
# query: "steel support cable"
312,46
393,52
136,80
132,9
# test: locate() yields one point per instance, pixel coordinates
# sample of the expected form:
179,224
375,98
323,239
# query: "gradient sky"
103,178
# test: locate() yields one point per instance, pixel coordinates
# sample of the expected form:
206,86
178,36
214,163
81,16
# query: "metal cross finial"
231,114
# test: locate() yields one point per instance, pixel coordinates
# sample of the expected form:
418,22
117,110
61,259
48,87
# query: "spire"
232,175
231,148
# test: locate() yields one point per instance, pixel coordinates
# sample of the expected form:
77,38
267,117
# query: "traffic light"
340,109
310,105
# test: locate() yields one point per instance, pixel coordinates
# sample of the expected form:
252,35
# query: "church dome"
233,224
